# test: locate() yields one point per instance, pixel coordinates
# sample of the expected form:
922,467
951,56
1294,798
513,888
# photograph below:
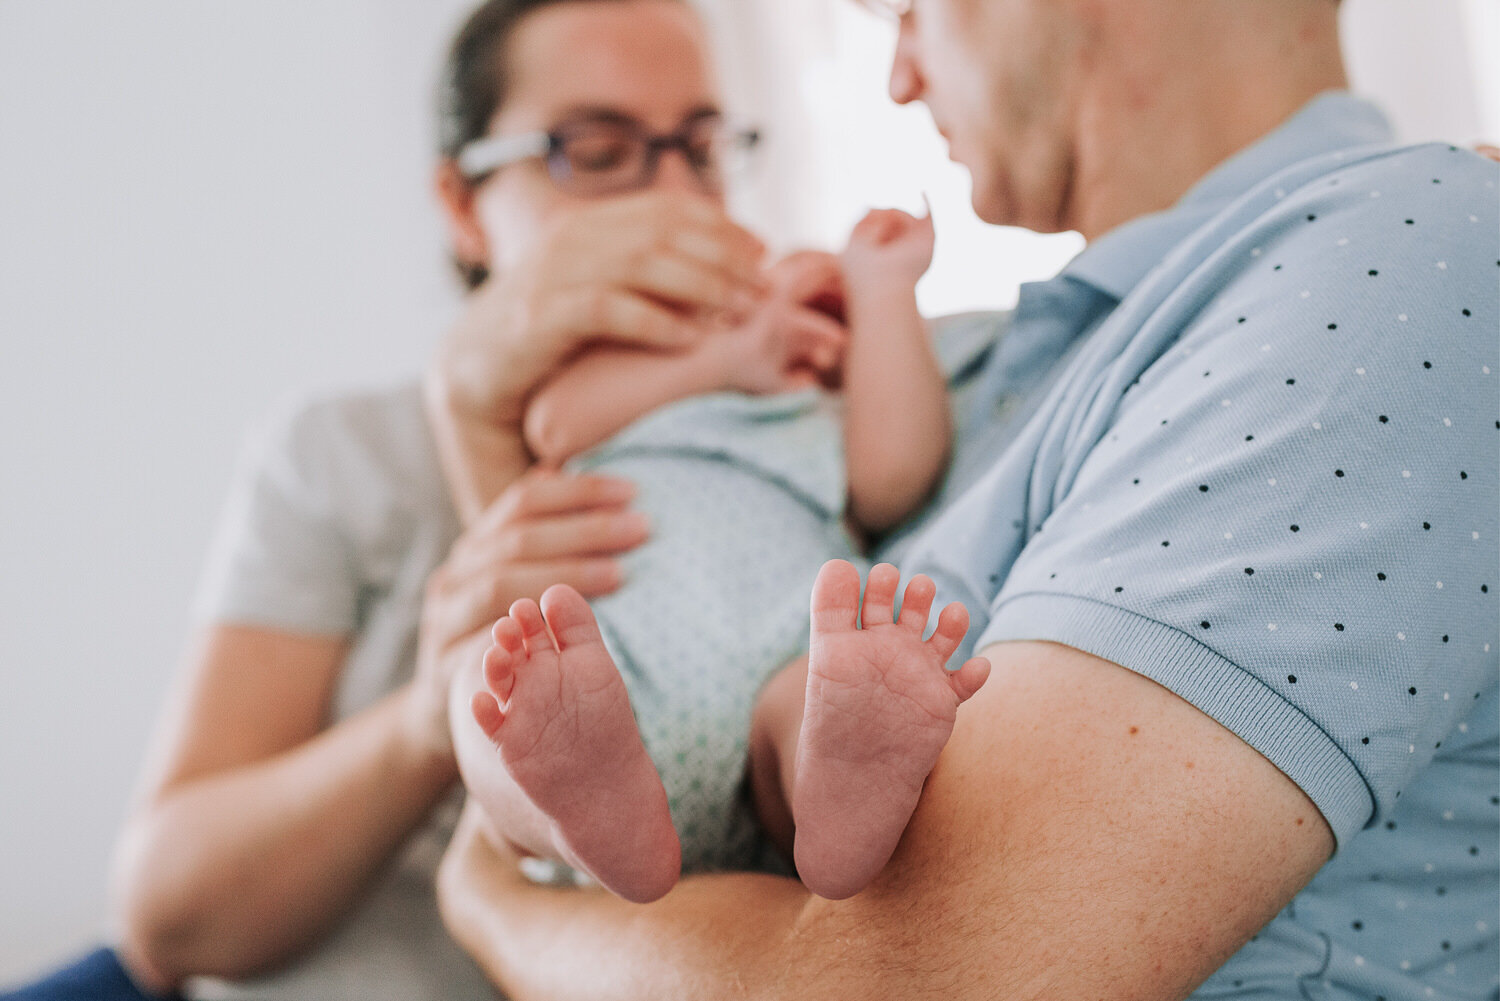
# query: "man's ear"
465,234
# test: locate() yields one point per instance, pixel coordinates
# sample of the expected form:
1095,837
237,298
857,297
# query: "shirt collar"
1335,120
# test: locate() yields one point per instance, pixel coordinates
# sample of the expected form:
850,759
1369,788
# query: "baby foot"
561,719
880,707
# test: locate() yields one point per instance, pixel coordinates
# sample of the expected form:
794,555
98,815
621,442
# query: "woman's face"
643,60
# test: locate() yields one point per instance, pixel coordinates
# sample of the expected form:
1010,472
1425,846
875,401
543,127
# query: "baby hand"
889,247
796,336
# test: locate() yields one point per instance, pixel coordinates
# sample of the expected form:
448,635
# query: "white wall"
203,206
206,206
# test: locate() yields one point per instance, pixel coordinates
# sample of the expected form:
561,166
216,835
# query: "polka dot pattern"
1334,478
710,610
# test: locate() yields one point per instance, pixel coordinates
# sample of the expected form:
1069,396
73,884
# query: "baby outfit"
745,498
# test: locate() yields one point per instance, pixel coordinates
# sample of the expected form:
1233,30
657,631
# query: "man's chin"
995,207
998,206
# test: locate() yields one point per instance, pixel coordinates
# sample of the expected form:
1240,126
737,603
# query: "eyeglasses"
608,155
894,10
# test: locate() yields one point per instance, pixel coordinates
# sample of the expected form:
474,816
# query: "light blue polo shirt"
1249,448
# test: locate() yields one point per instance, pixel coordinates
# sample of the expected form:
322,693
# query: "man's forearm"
686,946
1087,834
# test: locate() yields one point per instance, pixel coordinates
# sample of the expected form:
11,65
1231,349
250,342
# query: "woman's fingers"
685,252
592,533
686,283
548,538
605,310
542,492
701,231
547,528
815,330
465,604
696,228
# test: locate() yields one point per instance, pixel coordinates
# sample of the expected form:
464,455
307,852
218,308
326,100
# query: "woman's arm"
1086,834
258,827
260,823
898,430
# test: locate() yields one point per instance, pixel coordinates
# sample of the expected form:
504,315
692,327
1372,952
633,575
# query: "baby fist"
888,246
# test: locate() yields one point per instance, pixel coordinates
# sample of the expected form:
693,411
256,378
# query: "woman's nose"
674,173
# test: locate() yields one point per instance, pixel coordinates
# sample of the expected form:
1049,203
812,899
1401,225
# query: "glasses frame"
482,157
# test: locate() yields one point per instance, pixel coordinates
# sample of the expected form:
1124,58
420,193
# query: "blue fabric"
97,976
1269,479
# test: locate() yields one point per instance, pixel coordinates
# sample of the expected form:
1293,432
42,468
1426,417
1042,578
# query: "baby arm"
898,430
607,388
782,345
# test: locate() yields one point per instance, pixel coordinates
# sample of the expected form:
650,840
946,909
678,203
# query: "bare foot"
561,719
880,707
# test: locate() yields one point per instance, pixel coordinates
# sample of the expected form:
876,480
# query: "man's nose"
906,84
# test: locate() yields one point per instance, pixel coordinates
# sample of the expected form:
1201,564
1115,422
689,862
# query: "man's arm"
1086,834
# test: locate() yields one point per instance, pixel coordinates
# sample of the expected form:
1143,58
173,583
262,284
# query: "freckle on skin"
1300,821
1188,765
1134,730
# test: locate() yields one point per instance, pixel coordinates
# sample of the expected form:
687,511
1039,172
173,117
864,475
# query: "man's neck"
1156,131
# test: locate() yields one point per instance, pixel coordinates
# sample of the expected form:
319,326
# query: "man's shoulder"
1424,160
1394,239
1404,196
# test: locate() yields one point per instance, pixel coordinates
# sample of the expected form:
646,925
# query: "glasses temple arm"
484,155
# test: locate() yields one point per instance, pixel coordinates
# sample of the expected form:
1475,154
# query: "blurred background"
210,207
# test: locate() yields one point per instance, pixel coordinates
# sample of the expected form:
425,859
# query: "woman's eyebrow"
613,114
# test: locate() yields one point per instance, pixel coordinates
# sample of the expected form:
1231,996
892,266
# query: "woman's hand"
642,270
546,528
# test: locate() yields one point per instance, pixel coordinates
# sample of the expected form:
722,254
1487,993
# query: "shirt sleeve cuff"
1218,687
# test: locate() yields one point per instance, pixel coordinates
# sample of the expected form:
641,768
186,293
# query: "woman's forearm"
898,431
236,871
480,456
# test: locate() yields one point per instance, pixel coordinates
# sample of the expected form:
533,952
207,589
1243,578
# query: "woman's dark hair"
474,81
474,75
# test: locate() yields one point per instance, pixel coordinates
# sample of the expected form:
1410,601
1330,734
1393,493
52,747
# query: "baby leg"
877,710
563,772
